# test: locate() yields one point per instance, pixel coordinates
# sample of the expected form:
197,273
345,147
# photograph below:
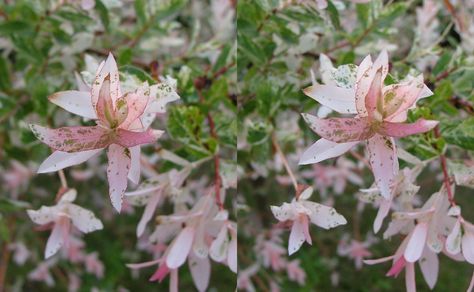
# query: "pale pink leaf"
180,248
200,271
82,86
410,277
383,211
135,166
372,99
76,102
284,212
429,265
59,160
43,216
297,236
148,213
324,216
232,254
337,98
453,241
108,68
57,238
84,219
417,243
174,280
218,249
324,149
467,245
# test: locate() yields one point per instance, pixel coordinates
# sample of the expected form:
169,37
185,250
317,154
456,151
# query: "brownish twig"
217,178
285,163
444,166
452,11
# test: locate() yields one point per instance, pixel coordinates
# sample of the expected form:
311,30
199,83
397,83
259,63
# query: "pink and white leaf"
340,130
200,271
72,139
76,102
117,172
384,162
59,160
324,149
180,248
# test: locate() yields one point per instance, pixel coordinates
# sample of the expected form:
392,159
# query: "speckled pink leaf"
405,129
136,106
373,98
117,172
398,98
340,130
324,216
73,139
108,68
384,162
84,219
297,236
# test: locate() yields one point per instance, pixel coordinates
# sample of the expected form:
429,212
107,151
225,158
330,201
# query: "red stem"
444,166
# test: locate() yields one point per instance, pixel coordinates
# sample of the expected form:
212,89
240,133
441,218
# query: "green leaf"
185,125
140,11
4,75
258,133
268,99
6,105
460,134
251,50
363,13
442,63
390,13
9,205
333,15
138,73
4,232
14,26
125,56
103,13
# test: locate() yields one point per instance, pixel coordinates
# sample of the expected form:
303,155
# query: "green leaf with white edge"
138,73
460,134
258,133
